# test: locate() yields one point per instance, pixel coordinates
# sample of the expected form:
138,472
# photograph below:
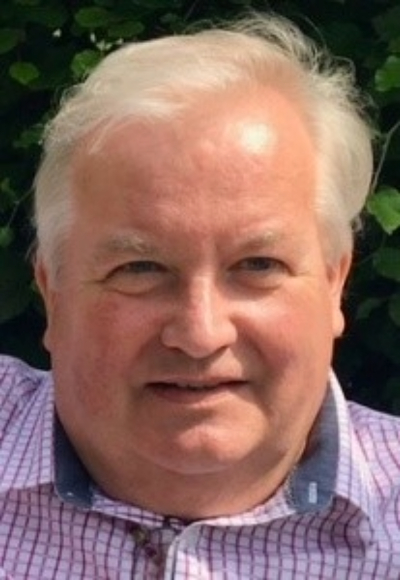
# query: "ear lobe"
337,276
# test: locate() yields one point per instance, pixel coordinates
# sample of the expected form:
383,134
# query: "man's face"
192,323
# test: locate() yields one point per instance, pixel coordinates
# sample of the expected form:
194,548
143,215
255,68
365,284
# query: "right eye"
136,277
138,267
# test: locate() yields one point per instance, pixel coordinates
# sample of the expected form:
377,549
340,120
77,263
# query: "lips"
197,385
184,386
191,391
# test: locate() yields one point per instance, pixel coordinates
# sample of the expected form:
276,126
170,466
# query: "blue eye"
259,264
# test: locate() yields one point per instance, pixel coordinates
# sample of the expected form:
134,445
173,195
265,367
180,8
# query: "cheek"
95,344
295,340
294,330
122,328
109,322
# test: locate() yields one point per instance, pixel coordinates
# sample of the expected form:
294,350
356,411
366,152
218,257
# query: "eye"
259,264
140,267
259,272
137,277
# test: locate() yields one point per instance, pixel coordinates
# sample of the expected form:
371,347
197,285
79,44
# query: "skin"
195,258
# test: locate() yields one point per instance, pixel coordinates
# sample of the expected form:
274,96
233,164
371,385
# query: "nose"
201,323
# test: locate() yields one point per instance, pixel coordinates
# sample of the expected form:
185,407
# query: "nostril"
196,343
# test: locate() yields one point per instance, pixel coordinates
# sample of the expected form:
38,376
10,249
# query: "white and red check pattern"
336,517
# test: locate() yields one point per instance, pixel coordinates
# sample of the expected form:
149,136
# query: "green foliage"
48,45
386,262
24,72
14,285
388,76
385,207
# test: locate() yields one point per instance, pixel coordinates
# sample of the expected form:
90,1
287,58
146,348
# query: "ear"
337,276
42,278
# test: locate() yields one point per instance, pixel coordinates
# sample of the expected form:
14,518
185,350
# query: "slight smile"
189,392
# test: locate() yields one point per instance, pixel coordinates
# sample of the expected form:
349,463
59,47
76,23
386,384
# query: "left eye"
259,264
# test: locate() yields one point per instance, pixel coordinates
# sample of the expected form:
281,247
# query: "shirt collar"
333,465
72,481
310,487
353,481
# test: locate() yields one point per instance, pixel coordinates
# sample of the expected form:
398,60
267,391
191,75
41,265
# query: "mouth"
182,391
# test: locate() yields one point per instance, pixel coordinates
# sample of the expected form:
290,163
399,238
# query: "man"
194,213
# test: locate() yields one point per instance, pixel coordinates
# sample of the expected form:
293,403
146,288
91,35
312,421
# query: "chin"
194,457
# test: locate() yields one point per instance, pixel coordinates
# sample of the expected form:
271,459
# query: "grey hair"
156,80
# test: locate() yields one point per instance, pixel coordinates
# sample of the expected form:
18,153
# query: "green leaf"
9,38
84,62
386,262
385,207
367,306
394,309
14,285
6,236
388,76
7,193
24,72
93,17
30,136
126,30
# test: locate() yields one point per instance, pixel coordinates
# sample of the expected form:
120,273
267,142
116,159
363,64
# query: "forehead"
252,123
227,152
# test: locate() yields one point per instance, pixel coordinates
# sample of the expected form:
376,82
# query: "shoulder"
368,422
378,435
20,386
26,422
17,375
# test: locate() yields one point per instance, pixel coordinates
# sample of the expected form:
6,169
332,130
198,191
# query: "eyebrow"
122,245
132,243
267,239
